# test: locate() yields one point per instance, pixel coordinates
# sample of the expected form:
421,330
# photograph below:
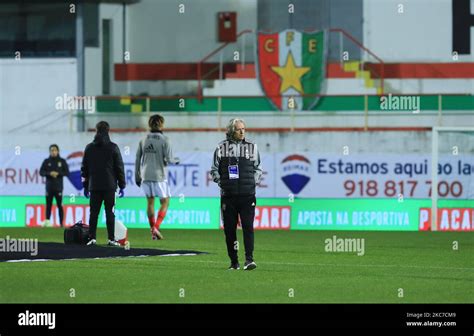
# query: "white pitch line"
346,265
266,263
97,258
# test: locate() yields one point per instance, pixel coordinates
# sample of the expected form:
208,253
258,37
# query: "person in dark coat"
236,168
54,168
102,171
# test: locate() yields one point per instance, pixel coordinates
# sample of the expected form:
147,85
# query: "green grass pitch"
293,267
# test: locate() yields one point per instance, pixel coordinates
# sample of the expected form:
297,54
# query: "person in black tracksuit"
236,168
102,170
54,168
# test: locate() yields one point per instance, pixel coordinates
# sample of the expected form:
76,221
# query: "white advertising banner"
306,175
19,174
372,176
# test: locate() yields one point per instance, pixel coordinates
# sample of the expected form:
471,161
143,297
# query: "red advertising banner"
269,218
36,214
449,219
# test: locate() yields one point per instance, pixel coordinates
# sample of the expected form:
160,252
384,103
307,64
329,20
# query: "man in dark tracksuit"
54,168
237,170
102,169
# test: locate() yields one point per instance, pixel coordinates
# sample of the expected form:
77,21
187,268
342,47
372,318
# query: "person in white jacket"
154,153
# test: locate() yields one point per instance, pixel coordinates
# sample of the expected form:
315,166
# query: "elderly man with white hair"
236,168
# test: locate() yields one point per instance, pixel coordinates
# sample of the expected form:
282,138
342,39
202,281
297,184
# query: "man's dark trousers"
232,207
58,195
97,197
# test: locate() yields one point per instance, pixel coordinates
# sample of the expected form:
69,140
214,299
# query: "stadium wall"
29,91
395,31
157,33
359,142
93,55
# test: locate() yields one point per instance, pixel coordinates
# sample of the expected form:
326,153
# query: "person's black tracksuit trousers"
58,195
232,207
96,199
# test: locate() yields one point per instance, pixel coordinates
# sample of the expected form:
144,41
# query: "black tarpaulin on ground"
60,251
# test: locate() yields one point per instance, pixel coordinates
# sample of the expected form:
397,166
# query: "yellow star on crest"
290,74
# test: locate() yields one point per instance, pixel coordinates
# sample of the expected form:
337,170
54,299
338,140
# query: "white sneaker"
46,223
250,265
92,242
156,234
113,243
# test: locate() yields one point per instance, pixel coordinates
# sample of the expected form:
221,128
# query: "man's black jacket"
102,165
57,164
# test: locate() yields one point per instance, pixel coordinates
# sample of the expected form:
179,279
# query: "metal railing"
351,38
342,32
200,75
359,111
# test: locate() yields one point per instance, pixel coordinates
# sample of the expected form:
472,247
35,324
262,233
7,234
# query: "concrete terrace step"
251,87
